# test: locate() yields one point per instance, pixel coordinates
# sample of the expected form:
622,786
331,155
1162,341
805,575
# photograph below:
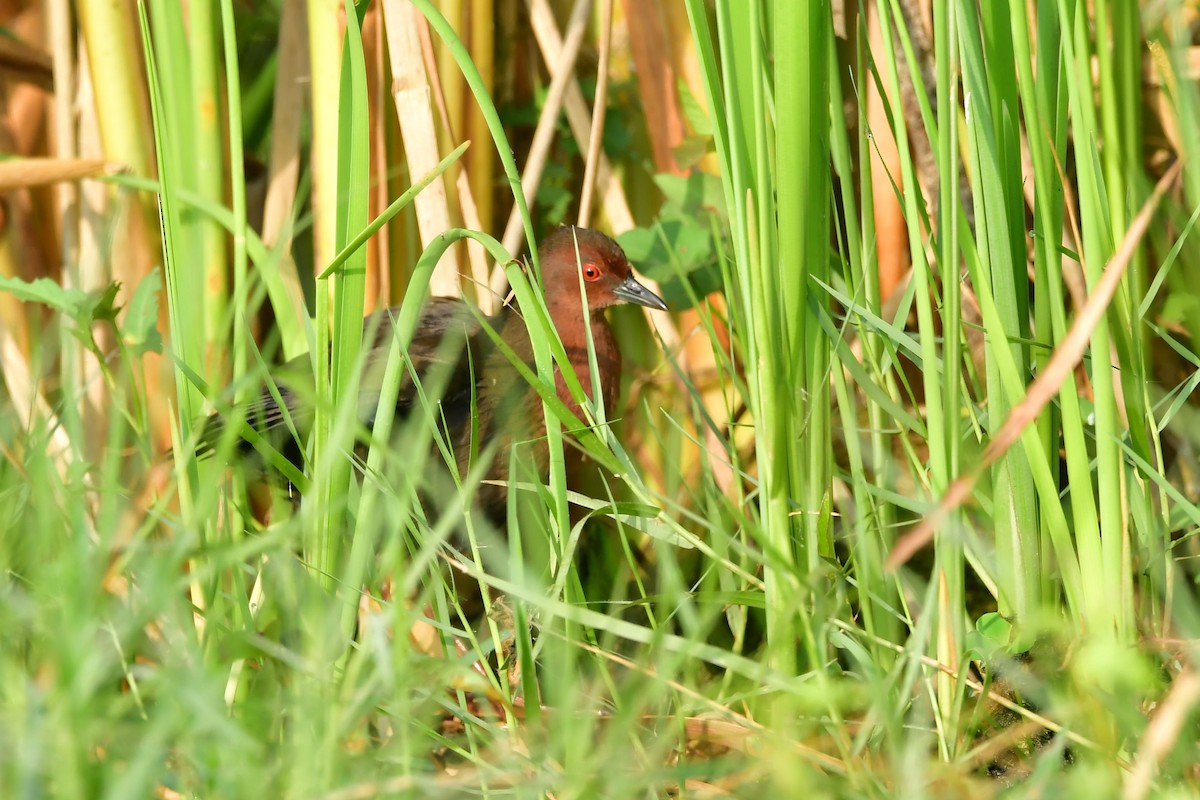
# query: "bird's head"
572,253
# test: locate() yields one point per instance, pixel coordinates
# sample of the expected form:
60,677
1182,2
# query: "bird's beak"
630,291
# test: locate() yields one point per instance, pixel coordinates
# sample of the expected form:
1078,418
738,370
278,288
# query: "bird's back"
446,349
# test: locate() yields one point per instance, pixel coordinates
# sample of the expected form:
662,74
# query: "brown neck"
567,313
572,327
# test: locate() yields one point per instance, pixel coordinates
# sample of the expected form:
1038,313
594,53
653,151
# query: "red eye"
591,272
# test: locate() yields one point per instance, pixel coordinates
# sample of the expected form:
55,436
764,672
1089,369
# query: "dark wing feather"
442,348
447,342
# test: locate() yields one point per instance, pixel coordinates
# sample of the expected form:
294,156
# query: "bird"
483,397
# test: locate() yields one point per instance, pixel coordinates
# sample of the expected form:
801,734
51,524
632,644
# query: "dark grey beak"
630,291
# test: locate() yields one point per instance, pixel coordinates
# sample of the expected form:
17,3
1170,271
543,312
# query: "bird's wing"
440,353
292,382
447,349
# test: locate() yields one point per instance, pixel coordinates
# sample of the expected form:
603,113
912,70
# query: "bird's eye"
591,272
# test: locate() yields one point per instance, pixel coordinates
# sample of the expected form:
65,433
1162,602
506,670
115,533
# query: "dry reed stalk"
283,162
414,110
599,109
488,301
480,163
19,258
22,173
476,256
89,268
79,367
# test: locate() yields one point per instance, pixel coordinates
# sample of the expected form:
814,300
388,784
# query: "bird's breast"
608,369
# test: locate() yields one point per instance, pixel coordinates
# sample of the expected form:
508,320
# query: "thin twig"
598,111
562,72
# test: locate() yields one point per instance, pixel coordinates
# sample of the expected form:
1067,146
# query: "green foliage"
679,250
139,332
